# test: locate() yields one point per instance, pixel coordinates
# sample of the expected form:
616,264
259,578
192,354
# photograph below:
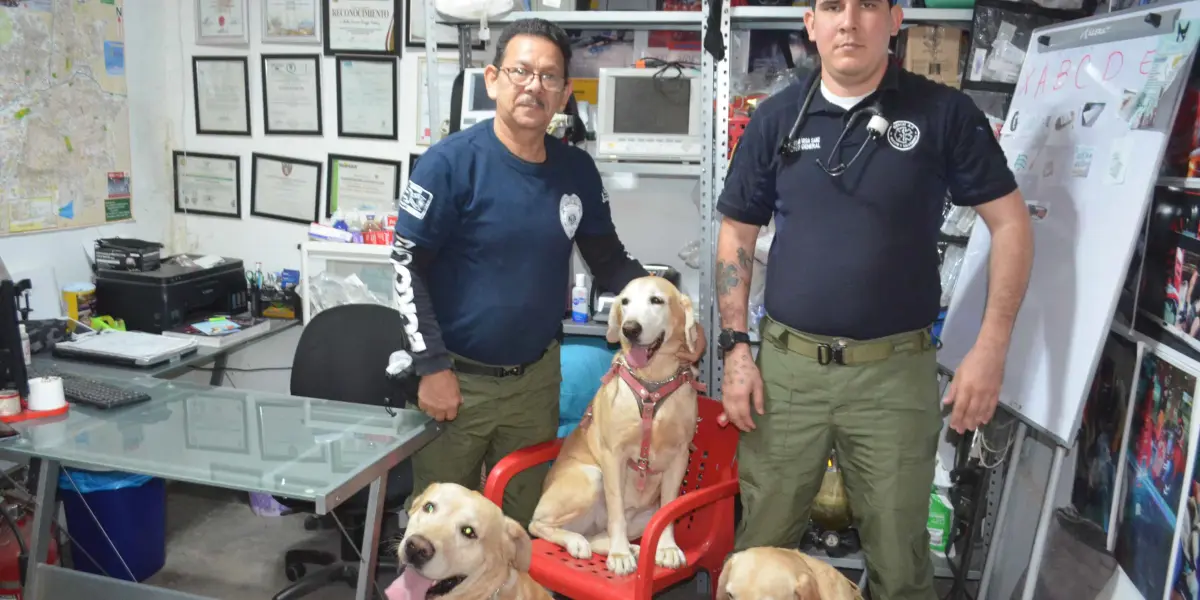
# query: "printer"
602,299
169,296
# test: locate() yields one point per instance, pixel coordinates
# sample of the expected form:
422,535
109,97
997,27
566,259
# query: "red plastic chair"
703,517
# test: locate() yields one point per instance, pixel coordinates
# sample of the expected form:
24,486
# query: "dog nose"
632,329
418,550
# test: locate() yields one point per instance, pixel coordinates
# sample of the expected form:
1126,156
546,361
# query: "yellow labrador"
460,546
782,574
628,457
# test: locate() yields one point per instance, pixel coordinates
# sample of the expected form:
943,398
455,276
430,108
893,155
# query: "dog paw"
635,549
670,557
578,546
622,562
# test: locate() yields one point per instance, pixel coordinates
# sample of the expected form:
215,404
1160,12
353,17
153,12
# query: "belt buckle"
514,371
831,353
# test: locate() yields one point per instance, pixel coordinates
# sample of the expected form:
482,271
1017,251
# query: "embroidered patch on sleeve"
415,200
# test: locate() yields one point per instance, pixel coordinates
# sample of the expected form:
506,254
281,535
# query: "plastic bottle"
25,350
579,299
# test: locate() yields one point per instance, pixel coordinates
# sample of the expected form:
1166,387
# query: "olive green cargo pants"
882,414
498,416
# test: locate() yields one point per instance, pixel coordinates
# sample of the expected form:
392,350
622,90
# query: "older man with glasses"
482,256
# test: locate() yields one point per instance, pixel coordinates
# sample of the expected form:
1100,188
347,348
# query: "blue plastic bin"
133,511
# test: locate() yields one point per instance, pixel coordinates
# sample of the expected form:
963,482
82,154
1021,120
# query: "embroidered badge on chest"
903,135
570,212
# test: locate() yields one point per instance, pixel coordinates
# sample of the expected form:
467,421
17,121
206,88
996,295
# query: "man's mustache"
530,101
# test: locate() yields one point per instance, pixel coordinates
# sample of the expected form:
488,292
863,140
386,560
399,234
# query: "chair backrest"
712,461
343,355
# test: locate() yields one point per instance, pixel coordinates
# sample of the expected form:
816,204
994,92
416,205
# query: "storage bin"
133,512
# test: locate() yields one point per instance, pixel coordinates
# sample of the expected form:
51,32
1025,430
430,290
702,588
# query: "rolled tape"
46,393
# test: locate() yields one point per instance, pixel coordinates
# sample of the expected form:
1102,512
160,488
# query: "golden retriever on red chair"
628,456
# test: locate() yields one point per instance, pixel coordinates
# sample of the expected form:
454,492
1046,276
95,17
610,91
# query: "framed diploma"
208,184
447,35
291,85
366,97
291,21
356,183
222,22
412,164
221,93
362,26
283,188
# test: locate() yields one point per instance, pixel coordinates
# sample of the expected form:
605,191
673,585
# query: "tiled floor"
217,547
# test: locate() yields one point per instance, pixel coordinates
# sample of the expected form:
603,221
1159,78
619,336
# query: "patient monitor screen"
479,97
652,105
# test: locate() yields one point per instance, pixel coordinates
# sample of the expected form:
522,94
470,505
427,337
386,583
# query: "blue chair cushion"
584,361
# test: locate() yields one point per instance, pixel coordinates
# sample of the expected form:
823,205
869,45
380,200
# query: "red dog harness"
650,396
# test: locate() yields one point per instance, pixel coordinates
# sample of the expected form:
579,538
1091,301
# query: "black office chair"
342,355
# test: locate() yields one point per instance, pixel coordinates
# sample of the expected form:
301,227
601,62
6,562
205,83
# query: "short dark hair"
539,28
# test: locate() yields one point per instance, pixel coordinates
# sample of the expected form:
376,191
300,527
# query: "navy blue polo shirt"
856,256
503,231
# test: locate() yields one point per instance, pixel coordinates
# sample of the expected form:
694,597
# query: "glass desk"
307,449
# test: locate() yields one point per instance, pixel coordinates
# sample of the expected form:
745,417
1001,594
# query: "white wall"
655,217
56,258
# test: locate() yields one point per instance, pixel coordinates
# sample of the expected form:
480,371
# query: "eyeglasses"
521,76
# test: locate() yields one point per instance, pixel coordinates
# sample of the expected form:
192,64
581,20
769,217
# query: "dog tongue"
638,356
410,586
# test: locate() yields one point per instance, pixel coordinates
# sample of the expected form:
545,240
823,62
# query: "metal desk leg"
372,529
43,517
218,370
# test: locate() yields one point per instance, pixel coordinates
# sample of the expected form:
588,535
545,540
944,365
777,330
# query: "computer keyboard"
94,393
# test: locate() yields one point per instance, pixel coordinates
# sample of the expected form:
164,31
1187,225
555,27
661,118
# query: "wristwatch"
730,338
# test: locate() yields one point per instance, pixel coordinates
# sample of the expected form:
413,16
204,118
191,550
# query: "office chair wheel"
295,572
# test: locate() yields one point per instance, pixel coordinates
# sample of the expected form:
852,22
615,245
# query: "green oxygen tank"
831,508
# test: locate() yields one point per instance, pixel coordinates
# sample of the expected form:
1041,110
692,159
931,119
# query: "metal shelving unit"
624,20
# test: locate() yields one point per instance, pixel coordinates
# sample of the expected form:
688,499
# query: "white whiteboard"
1084,140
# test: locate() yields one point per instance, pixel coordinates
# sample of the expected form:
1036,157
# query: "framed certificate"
291,21
221,94
283,435
222,22
208,184
366,97
447,35
217,423
291,94
283,188
357,183
361,26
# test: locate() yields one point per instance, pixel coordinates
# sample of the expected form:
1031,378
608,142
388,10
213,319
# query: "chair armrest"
673,511
510,466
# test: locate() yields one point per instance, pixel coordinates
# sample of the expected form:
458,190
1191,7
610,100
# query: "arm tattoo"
745,259
727,277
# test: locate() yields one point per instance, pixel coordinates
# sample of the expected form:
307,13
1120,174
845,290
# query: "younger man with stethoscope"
847,361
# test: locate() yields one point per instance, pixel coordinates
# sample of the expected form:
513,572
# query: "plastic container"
131,509
579,299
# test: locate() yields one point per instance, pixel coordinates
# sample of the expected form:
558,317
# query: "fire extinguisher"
14,553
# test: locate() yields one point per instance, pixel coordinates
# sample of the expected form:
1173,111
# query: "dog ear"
614,322
518,544
806,588
689,321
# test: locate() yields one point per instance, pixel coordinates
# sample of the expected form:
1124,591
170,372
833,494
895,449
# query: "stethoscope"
877,126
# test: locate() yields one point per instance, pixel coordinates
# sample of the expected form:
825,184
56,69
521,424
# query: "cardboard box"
933,51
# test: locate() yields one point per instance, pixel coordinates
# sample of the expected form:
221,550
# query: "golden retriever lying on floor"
778,574
460,546
629,454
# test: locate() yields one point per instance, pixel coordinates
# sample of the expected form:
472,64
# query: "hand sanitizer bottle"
579,299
